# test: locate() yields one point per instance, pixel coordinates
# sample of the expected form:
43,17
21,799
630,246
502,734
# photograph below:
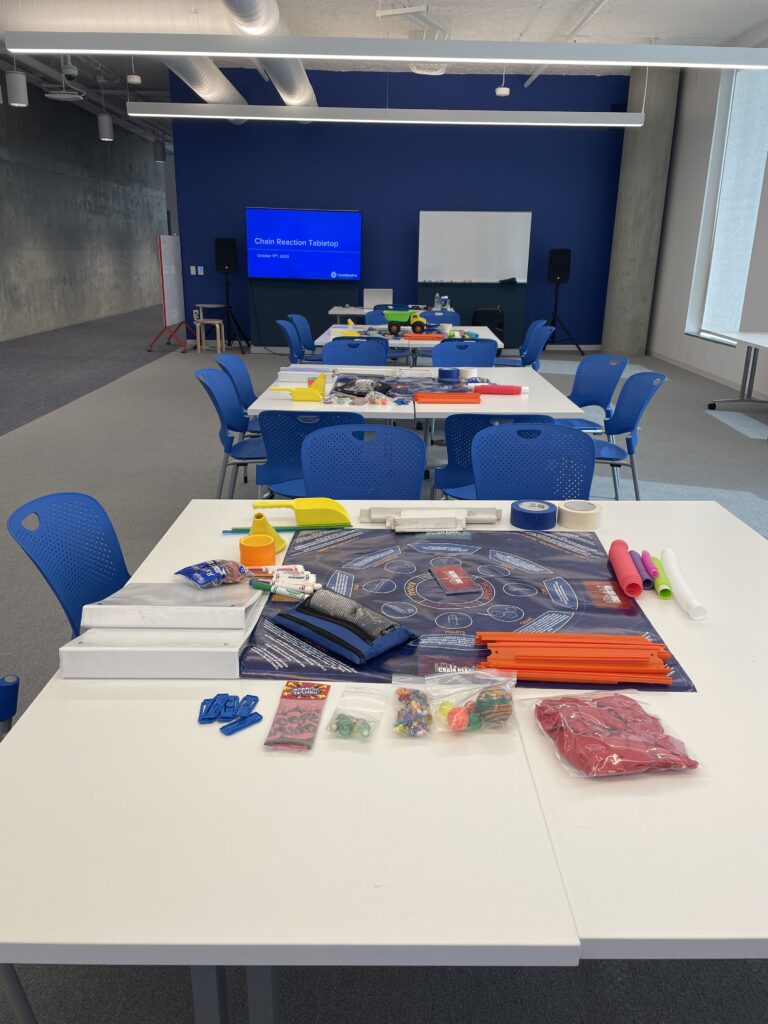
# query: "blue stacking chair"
455,479
232,421
481,352
536,337
304,332
296,349
367,462
542,462
237,371
446,316
74,545
283,434
596,378
356,351
636,393
376,316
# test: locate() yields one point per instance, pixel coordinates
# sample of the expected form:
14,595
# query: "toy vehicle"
399,318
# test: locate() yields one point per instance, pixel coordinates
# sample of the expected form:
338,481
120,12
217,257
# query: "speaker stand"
557,322
232,329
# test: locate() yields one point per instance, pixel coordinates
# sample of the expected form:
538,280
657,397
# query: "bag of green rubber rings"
471,702
358,712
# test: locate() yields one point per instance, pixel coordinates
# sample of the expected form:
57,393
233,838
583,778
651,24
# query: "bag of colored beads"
358,712
471,702
413,716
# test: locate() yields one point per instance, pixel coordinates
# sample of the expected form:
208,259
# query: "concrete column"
639,212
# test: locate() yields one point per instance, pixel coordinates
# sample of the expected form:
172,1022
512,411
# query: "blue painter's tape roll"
448,373
9,697
533,515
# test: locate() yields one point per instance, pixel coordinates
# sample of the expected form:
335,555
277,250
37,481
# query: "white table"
753,341
342,312
414,344
542,399
128,818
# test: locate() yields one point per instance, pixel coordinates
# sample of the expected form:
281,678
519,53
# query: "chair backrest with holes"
364,463
237,371
533,346
636,392
303,330
481,352
221,391
283,434
356,351
74,545
291,336
376,316
596,378
545,462
460,430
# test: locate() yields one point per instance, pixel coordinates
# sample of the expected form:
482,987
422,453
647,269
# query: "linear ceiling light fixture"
380,115
447,51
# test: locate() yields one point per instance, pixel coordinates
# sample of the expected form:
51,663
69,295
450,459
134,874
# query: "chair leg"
633,467
222,474
15,995
233,479
616,474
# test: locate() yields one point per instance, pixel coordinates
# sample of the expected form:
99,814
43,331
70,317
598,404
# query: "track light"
159,147
133,78
106,128
502,91
16,87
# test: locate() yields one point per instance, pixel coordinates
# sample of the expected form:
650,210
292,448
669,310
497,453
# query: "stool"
202,343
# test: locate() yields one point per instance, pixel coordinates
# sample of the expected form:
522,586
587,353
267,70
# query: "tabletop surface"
398,341
349,310
138,836
542,397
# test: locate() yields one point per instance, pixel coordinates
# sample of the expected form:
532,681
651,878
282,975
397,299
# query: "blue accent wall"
568,178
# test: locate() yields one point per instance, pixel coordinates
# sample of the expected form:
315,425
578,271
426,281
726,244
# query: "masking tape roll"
578,515
533,515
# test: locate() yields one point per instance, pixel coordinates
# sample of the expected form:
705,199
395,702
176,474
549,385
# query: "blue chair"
375,316
232,421
237,371
74,545
455,479
295,348
481,352
356,351
536,337
539,462
367,462
283,434
304,332
445,316
596,378
632,402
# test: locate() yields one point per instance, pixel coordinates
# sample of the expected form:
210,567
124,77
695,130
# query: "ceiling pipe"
262,18
594,9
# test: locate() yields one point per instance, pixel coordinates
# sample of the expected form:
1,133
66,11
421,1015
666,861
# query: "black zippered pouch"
343,626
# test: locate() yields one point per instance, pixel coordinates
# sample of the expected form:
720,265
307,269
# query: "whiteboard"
463,246
170,279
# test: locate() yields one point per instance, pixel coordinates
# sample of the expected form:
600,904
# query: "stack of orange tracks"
594,658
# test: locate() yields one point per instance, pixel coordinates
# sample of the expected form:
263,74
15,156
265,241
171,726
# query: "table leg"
747,383
263,987
15,994
209,995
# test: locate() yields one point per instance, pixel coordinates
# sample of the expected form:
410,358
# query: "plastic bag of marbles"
471,702
358,712
413,716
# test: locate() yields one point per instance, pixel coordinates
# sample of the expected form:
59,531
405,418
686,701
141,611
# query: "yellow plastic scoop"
315,392
312,511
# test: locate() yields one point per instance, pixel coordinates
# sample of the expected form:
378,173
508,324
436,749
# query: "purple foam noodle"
645,576
650,568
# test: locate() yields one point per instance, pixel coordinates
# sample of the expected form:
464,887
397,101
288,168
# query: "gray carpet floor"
45,371
142,438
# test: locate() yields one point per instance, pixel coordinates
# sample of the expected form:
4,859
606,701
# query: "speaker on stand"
225,252
559,272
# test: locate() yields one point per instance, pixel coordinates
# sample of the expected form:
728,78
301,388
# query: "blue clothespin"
229,711
247,704
211,708
241,723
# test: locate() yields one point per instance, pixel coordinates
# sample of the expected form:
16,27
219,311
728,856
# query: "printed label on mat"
562,592
607,594
519,563
341,582
374,558
549,622
442,547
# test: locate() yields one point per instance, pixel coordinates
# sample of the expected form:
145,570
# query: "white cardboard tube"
680,589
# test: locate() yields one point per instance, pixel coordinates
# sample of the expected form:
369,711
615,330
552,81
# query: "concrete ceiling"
671,21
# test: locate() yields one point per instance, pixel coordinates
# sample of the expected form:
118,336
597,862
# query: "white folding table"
414,344
137,836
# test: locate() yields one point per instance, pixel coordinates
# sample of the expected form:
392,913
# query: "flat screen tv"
309,245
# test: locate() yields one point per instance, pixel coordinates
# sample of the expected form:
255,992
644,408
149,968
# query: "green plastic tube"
661,583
